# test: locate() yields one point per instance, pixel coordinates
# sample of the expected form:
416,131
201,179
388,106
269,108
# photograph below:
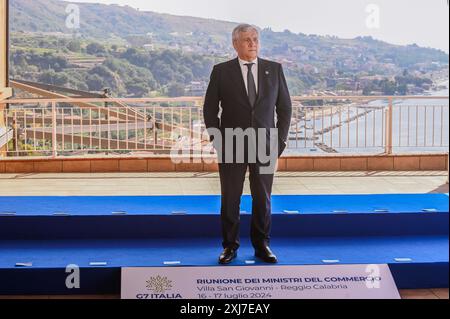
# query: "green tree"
138,89
388,87
94,82
367,90
95,48
175,89
74,46
402,89
53,78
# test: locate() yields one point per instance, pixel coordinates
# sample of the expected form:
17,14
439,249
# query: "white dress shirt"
244,69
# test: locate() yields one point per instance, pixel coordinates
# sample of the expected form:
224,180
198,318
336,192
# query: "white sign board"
260,282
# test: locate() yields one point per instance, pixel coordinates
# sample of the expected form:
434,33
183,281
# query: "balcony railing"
320,125
6,135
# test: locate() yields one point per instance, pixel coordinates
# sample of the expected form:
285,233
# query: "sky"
424,22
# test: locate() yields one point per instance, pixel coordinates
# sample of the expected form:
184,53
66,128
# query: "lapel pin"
267,72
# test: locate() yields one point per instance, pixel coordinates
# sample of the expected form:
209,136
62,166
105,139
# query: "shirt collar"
243,63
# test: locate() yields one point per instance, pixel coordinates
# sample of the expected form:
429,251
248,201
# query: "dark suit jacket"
227,87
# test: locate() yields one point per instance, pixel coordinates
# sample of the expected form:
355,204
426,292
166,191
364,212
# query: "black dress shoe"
266,255
227,256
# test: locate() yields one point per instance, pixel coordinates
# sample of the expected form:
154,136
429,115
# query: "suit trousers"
232,178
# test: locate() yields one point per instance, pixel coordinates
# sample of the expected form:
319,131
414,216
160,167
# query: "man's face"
247,45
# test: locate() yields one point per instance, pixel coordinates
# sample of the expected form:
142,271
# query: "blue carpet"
161,205
204,251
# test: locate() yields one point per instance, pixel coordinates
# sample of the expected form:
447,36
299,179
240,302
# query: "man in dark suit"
245,94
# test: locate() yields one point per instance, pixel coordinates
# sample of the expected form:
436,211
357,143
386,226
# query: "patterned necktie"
251,85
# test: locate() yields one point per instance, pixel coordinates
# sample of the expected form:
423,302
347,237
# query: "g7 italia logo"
159,284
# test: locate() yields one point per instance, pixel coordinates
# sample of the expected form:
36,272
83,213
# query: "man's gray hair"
243,28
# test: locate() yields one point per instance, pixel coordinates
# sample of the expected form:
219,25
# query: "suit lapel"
261,78
239,81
